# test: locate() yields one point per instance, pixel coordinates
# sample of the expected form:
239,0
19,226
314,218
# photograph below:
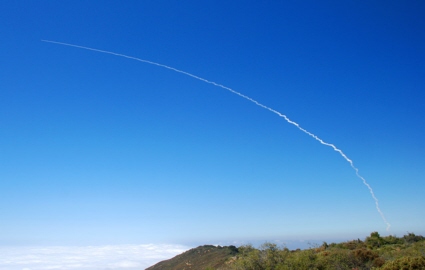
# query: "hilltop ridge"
373,253
202,257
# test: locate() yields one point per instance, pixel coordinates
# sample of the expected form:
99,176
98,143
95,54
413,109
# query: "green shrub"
405,263
302,259
374,240
412,238
337,258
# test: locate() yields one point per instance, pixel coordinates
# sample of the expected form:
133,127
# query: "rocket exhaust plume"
251,100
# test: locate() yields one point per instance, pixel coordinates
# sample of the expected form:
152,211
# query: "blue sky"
101,150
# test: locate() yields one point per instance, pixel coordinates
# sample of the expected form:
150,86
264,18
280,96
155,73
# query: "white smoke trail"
253,101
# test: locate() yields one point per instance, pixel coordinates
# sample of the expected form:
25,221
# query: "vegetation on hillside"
373,253
206,257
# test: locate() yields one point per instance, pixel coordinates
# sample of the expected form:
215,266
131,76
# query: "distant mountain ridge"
200,258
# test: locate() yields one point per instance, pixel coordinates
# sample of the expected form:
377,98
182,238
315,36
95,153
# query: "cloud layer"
111,257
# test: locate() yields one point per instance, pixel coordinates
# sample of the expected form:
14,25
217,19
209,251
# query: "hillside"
200,258
374,253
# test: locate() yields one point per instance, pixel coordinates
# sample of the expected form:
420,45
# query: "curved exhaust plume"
253,101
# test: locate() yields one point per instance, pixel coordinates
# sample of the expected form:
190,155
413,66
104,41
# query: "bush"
303,259
374,240
405,263
336,259
411,238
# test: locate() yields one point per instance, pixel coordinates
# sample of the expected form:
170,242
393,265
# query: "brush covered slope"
200,258
373,253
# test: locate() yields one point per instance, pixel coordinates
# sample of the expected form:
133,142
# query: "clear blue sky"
98,149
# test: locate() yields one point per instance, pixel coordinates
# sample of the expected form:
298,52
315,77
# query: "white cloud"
112,257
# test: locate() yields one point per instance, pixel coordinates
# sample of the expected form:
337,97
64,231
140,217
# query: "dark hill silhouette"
200,258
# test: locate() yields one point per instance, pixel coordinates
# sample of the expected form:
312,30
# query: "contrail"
249,99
